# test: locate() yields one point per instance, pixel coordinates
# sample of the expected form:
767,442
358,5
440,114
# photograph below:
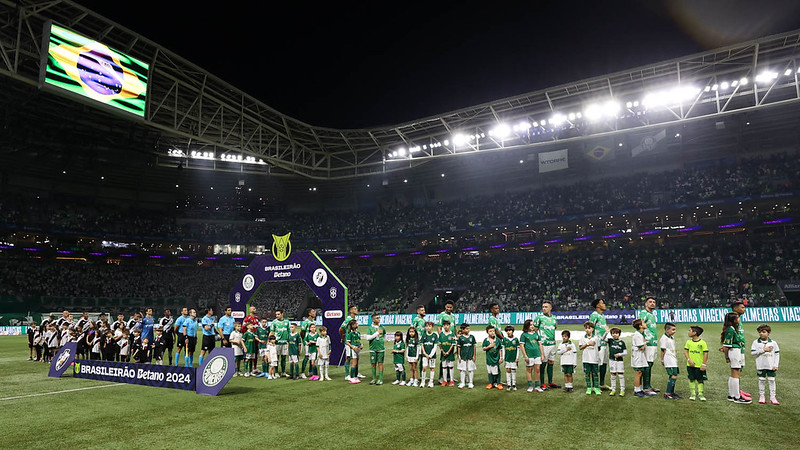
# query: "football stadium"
613,261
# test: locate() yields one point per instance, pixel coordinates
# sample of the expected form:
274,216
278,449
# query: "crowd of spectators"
748,176
698,272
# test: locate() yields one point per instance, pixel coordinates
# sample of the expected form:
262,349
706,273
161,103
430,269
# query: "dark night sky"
386,63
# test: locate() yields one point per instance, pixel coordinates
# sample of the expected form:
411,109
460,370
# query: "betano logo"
334,314
281,247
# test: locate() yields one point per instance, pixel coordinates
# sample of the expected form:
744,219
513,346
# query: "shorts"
294,359
209,342
168,340
766,373
237,351
568,369
549,354
466,365
673,371
180,340
429,362
448,363
736,357
237,358
250,356
603,355
533,361
263,352
399,368
312,356
283,349
273,363
511,364
695,374
591,368
616,366
650,352
376,356
492,370
348,352
412,359
640,369
192,344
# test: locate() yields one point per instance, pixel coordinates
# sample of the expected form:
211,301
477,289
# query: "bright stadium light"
571,116
734,83
501,131
593,112
446,142
611,108
401,152
557,119
629,105
459,139
787,73
766,76
724,85
743,81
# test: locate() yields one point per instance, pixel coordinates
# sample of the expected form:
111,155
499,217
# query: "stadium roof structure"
205,123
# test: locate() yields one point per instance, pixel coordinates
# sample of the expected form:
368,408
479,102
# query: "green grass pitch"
335,414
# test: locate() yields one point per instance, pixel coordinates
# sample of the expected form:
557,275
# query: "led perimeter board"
89,69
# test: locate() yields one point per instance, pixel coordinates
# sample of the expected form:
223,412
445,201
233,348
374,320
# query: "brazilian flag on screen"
90,69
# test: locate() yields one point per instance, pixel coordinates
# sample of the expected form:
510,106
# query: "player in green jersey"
249,339
492,346
310,343
696,353
377,348
310,318
448,315
510,357
466,356
418,323
353,342
280,329
601,328
531,346
447,350
398,358
412,354
494,320
738,307
294,342
262,335
732,344
651,339
546,325
429,341
616,351
348,353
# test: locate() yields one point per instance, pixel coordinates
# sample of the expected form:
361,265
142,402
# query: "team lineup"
414,354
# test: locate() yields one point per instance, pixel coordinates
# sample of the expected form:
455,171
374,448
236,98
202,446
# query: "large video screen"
90,69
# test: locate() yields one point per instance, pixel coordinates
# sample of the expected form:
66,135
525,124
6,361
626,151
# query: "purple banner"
215,372
62,360
303,266
613,316
173,377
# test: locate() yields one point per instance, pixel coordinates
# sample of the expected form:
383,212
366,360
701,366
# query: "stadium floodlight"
787,73
593,112
446,142
459,139
524,126
611,108
501,131
636,104
558,119
734,83
714,87
536,124
743,81
401,152
707,88
766,76
629,105
571,116
724,85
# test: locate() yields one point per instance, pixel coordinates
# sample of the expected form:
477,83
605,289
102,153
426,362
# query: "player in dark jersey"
167,334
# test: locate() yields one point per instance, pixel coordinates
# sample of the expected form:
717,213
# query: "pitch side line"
60,392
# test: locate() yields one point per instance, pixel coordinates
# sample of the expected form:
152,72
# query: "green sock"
550,372
700,388
374,378
283,363
530,383
353,372
380,376
291,370
602,374
263,367
305,361
588,380
671,386
595,383
646,377
542,373
403,374
537,383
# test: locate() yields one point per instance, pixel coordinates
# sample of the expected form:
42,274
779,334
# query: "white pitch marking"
60,392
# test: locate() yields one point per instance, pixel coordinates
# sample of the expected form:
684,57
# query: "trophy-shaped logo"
281,247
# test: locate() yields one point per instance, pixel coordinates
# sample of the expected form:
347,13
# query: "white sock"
613,382
463,376
432,374
621,378
639,388
771,387
513,377
733,387
469,376
568,385
762,384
